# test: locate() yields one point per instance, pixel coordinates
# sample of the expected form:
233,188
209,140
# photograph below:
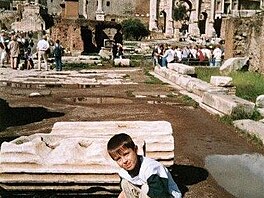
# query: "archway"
185,7
87,37
164,14
217,26
202,22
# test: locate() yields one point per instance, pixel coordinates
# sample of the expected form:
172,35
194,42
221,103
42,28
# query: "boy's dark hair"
120,140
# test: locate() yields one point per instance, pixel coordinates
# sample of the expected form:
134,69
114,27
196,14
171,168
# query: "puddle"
241,175
164,102
99,100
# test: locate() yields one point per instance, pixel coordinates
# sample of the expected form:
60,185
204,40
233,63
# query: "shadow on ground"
185,175
18,116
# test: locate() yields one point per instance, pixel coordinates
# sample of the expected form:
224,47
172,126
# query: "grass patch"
252,138
249,85
153,80
189,101
206,73
80,66
129,93
240,115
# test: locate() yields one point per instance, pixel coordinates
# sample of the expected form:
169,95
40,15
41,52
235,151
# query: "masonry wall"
245,37
69,34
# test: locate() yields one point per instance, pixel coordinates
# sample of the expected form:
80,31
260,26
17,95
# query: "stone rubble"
215,97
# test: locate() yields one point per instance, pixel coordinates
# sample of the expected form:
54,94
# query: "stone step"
252,127
182,68
227,104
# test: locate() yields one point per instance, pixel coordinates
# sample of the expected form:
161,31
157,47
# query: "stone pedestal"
100,16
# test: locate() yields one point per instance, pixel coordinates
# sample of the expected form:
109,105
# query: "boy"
141,177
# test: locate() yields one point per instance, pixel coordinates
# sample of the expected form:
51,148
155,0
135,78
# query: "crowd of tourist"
191,55
19,49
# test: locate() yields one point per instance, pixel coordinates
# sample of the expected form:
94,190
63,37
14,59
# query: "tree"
134,29
180,12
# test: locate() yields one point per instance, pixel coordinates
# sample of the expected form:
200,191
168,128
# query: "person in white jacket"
141,177
217,55
168,56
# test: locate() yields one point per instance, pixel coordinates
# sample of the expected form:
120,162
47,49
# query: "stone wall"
245,37
7,18
31,20
69,33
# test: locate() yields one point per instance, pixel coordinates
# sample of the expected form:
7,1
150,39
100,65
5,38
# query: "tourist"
157,54
43,47
208,55
217,55
3,49
14,51
178,54
185,55
168,56
57,51
118,40
200,54
141,177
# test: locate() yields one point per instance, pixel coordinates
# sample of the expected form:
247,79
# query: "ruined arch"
202,22
189,8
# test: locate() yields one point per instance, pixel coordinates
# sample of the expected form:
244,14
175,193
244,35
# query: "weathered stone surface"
228,104
104,53
221,81
261,111
252,127
260,101
182,68
122,62
233,64
241,168
76,153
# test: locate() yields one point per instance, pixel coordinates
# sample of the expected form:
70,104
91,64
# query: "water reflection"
241,175
99,100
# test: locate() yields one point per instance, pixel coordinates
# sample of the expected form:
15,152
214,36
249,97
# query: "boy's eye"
117,158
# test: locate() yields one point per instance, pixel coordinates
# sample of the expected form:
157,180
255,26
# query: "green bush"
134,29
180,12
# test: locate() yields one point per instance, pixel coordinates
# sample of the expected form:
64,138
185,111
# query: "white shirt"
149,168
169,55
43,45
217,53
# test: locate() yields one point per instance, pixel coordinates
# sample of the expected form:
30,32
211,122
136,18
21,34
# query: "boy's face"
126,158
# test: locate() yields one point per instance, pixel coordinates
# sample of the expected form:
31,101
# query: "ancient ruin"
78,161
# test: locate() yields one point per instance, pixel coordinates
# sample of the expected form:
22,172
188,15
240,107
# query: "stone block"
227,104
260,101
261,111
221,81
105,53
252,127
84,151
234,64
122,62
182,68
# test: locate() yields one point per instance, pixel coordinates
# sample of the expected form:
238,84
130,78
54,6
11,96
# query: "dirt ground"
197,133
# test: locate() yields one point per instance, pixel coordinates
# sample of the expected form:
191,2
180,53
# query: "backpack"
57,51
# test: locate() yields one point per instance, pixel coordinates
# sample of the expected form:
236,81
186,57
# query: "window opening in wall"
108,3
112,19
